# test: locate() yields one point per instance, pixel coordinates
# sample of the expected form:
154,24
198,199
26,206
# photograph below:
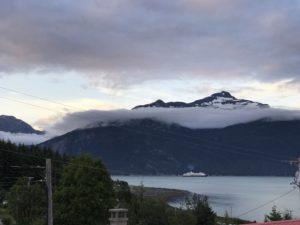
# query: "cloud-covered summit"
195,118
191,117
125,42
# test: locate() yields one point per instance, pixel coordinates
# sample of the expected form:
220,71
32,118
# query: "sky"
107,55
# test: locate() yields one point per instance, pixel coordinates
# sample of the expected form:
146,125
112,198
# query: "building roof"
283,222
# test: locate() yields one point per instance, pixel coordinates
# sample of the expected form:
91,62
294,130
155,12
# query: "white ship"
192,174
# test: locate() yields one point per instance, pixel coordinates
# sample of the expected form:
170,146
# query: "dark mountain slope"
14,125
151,147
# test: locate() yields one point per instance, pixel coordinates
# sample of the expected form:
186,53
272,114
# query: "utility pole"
49,191
297,175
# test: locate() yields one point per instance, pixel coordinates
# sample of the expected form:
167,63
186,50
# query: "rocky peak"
222,100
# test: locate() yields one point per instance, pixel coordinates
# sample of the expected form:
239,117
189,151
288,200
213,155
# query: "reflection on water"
235,195
221,200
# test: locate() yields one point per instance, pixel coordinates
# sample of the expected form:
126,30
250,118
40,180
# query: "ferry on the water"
192,174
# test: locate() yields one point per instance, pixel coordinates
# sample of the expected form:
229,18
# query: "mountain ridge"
14,125
221,99
146,146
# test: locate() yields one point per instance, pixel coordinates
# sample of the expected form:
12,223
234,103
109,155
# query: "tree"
226,218
123,193
27,203
84,193
148,211
2,195
274,215
177,216
287,215
203,212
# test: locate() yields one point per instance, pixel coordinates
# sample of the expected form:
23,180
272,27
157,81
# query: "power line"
40,98
224,145
54,160
7,182
209,146
213,143
220,145
26,103
28,167
267,203
55,102
21,153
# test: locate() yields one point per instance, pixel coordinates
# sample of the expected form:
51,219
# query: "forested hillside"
83,193
18,161
152,147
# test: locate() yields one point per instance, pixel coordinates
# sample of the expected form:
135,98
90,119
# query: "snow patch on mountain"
221,100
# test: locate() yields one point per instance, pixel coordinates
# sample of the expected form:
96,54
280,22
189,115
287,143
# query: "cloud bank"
20,138
195,118
124,42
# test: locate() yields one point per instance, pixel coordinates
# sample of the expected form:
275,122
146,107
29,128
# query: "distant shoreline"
172,175
164,194
170,195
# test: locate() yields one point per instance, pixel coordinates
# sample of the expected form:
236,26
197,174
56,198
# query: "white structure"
118,216
192,174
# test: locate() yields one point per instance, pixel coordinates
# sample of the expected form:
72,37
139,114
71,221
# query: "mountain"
147,146
14,125
222,100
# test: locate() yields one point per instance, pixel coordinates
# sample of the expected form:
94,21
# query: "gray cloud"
124,42
195,118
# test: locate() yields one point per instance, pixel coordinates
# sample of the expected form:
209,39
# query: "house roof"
283,222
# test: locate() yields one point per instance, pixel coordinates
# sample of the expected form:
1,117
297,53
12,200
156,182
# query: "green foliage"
149,211
287,215
25,200
2,195
123,193
276,215
181,216
26,158
203,212
231,220
27,203
7,220
84,193
226,218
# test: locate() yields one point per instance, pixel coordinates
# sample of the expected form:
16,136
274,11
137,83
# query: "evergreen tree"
84,193
122,192
27,203
226,218
287,215
274,215
203,212
20,160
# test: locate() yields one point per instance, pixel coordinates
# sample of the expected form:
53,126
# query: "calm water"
237,195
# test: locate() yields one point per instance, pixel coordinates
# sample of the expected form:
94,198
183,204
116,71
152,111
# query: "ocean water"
244,197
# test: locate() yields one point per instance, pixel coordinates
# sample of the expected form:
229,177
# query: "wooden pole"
49,191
